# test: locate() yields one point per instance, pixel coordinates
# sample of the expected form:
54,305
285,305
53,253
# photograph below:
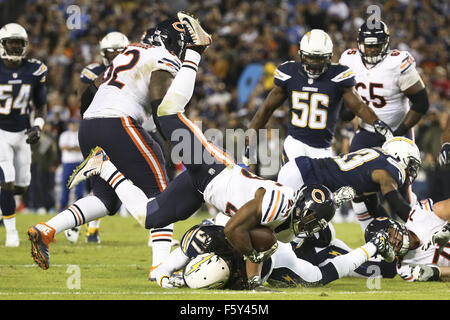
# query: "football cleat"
12,239
92,235
72,234
152,277
91,166
200,38
384,247
40,236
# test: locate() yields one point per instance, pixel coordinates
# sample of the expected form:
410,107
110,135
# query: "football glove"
33,133
440,238
444,154
258,257
344,194
421,272
383,129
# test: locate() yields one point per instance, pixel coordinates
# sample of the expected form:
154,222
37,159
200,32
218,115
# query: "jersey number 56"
307,109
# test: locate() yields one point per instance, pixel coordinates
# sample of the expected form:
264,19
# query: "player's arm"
418,96
355,103
160,83
442,209
273,101
246,218
40,110
444,154
389,190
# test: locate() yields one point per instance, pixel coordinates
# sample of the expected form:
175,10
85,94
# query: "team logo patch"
318,195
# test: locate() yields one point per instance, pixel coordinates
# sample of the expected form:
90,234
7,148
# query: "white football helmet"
13,31
406,153
113,41
206,271
316,50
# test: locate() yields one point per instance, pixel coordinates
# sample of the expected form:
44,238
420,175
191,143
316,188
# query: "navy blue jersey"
207,238
353,169
20,89
91,72
314,104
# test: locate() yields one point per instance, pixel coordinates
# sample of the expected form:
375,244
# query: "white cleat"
91,166
199,36
72,234
12,239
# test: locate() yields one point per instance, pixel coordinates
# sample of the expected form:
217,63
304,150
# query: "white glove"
344,194
171,282
421,272
440,238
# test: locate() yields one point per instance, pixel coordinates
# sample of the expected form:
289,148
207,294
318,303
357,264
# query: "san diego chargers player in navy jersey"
315,89
367,171
22,89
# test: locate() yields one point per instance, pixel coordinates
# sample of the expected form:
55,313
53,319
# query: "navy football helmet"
170,34
314,206
398,234
373,41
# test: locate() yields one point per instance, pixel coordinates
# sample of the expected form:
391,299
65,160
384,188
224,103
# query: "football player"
286,267
133,84
389,83
110,46
367,171
422,243
314,89
22,90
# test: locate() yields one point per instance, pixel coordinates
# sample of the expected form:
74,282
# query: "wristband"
39,122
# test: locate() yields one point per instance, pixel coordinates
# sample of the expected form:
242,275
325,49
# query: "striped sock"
161,239
82,211
111,175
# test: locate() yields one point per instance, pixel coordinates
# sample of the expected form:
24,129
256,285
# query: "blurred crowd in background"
260,34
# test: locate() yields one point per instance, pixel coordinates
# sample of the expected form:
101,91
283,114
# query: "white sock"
10,223
82,211
133,198
94,224
161,243
362,214
348,262
175,261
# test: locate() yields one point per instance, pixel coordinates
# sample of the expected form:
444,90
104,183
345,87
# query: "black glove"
383,129
444,154
33,133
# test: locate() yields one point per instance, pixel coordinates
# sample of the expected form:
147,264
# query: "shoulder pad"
38,66
283,70
341,73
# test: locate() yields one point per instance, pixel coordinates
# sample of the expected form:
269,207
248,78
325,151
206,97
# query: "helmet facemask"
314,64
399,239
14,49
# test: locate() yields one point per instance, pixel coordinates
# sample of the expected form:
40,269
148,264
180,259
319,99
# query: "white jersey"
124,91
234,187
424,223
382,86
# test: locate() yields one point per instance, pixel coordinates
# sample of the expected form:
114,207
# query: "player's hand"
444,154
344,194
440,238
383,129
421,272
33,133
177,281
258,257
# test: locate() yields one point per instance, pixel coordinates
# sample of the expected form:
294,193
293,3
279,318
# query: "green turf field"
118,268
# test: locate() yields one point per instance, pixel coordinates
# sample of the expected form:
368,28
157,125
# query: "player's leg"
290,176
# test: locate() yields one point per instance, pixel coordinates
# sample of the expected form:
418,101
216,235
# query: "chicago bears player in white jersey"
110,46
388,82
22,88
421,244
136,81
315,89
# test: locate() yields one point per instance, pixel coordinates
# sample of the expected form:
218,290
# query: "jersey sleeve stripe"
270,205
281,75
279,207
275,206
89,74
